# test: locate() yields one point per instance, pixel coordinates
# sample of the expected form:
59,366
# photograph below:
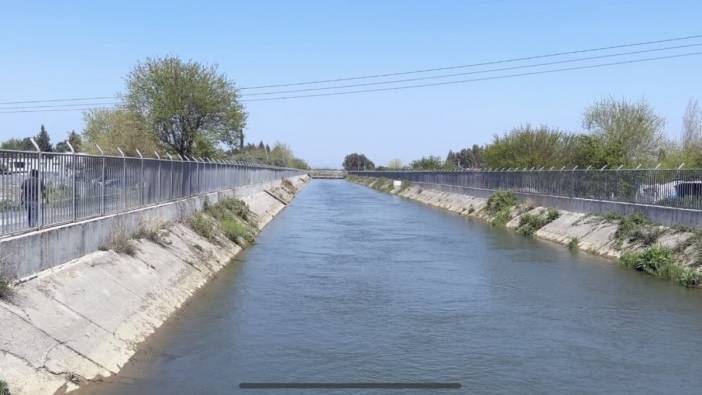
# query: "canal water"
352,285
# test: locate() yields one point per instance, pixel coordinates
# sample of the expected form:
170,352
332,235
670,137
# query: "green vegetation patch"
636,228
499,206
529,223
661,262
6,290
382,184
204,225
573,244
237,232
230,217
4,389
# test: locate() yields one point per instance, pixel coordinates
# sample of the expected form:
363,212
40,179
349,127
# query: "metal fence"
39,189
658,187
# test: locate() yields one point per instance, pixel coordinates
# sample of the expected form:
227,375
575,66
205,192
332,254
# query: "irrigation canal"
352,285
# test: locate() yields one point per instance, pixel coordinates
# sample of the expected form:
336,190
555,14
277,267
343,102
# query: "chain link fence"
39,189
657,187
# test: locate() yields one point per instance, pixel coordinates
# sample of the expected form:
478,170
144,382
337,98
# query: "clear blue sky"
51,49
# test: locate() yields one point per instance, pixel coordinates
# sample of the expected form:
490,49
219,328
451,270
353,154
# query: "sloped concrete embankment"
600,235
84,319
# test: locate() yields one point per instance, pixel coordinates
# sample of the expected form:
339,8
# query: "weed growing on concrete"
499,205
5,289
637,228
660,261
382,185
613,217
152,232
529,224
4,389
471,209
286,184
120,244
552,214
501,200
204,226
240,209
573,244
404,186
237,232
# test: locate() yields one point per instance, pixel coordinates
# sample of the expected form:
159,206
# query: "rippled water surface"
351,285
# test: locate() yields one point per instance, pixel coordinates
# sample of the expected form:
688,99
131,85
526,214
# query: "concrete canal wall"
582,230
80,320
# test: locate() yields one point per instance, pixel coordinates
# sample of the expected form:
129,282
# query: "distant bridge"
329,174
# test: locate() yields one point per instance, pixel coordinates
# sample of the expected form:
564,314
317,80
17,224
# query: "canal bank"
82,320
351,285
634,240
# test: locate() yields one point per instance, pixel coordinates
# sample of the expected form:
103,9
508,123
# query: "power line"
475,64
52,110
479,79
60,100
79,99
60,105
506,76
473,72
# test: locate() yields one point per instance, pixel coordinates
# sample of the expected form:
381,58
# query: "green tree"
73,138
629,133
470,158
357,162
527,147
179,101
427,163
43,140
18,144
112,128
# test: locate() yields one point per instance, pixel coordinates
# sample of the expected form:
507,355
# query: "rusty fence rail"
675,188
40,189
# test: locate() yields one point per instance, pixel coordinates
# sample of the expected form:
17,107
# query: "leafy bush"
4,389
204,226
240,209
499,205
637,228
573,243
661,262
690,278
237,232
501,200
529,224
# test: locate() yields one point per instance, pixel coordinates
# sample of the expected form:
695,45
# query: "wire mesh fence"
39,189
680,188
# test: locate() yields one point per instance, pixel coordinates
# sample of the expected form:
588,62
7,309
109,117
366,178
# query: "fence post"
142,181
124,177
102,181
73,158
170,193
40,189
158,179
